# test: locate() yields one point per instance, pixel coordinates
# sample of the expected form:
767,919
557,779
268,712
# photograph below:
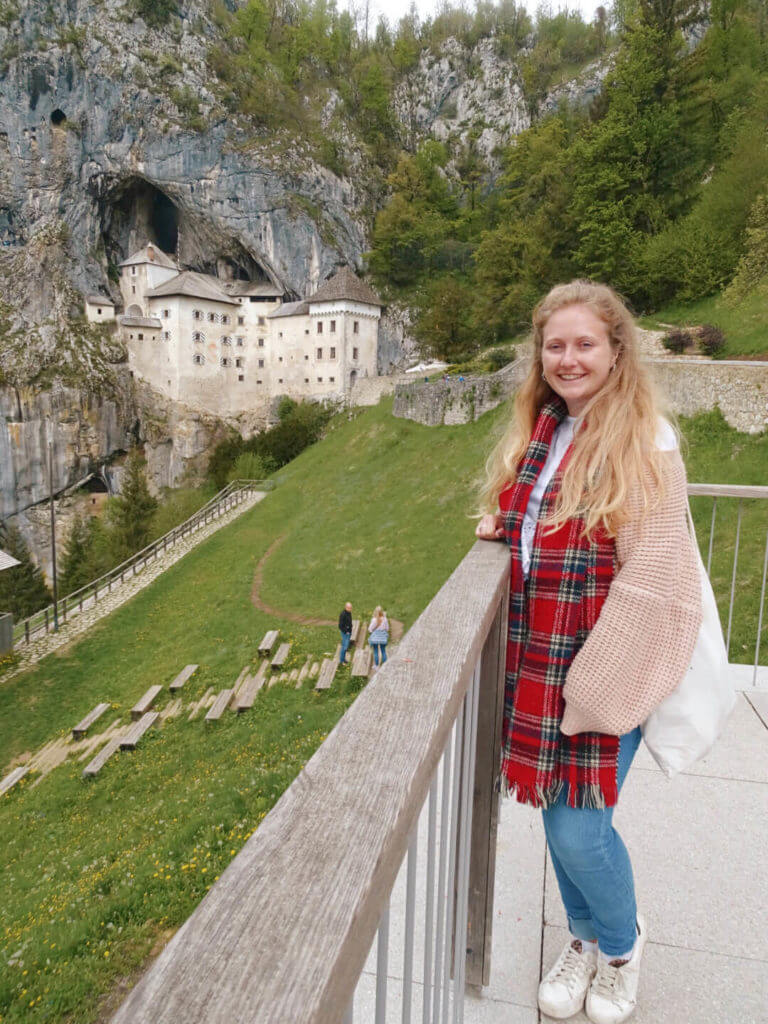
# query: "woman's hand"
490,527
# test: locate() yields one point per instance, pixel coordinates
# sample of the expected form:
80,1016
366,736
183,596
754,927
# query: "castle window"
354,353
333,326
239,342
198,336
319,326
333,353
198,358
306,330
133,289
226,318
279,359
356,327
226,340
241,320
99,311
166,314
306,357
280,380
279,334
133,271
319,380
332,380
141,337
262,319
238,362
131,337
211,318
259,381
261,343
319,353
261,364
166,335
241,376
226,361
197,314
306,380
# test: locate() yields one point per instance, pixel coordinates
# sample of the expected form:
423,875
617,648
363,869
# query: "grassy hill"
98,874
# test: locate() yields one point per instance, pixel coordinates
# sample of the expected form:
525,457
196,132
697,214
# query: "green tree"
443,327
23,590
75,569
752,271
132,510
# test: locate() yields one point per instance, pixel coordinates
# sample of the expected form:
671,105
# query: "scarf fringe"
586,795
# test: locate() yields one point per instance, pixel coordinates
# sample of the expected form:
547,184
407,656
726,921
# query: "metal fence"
43,621
732,530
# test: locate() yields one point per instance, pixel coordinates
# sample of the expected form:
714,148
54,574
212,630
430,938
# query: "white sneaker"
612,995
562,990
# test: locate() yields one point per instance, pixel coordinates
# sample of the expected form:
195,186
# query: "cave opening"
58,117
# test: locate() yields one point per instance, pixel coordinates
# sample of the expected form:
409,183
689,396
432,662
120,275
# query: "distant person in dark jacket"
345,628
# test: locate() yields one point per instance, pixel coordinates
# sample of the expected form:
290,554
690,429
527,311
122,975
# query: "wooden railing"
44,620
284,933
409,776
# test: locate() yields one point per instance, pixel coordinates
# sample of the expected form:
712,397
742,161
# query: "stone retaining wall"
369,390
739,388
456,401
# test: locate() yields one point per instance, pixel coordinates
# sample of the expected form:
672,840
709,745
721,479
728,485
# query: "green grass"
745,326
97,874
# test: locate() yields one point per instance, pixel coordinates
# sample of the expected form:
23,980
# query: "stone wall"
454,400
739,388
369,390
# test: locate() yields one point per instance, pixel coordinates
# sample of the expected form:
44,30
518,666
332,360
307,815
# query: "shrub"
677,341
711,340
250,466
500,357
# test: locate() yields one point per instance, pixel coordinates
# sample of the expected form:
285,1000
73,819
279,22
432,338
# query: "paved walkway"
699,847
78,622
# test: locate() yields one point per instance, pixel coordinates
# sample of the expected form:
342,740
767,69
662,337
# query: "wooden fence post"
485,811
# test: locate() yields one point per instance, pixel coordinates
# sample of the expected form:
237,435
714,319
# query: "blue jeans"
345,638
379,648
592,865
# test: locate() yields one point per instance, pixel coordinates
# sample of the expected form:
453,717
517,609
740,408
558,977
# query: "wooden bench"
253,684
282,654
327,672
146,702
82,727
269,641
95,766
12,778
182,677
137,730
361,663
219,706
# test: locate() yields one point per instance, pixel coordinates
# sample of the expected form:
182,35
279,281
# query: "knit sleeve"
641,645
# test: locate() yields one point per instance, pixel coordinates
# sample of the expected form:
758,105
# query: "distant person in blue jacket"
345,628
379,630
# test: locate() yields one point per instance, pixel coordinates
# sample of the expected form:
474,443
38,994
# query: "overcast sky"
395,9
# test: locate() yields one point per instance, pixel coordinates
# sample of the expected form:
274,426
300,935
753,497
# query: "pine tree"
23,590
131,512
752,271
76,568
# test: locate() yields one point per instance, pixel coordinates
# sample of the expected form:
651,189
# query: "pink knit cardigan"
641,645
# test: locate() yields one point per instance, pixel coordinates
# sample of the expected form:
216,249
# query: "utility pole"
53,536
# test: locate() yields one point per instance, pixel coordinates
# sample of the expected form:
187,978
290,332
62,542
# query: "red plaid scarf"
550,617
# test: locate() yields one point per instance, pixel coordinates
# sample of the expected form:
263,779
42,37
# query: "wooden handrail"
284,933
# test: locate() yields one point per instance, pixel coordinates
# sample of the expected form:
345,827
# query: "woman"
379,630
605,607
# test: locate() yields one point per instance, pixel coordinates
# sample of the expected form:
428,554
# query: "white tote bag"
685,726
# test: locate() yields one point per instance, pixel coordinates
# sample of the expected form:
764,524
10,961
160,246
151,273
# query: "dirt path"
395,626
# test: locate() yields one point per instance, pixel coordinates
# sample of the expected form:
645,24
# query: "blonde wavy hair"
616,448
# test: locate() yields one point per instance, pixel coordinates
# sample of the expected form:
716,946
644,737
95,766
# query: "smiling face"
576,355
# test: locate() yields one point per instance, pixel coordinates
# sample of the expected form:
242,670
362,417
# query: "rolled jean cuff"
582,928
